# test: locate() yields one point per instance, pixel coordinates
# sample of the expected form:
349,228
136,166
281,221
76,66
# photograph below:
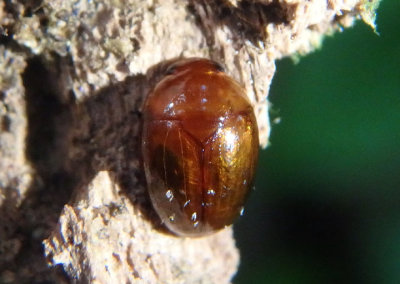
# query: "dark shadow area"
305,237
107,137
48,109
247,21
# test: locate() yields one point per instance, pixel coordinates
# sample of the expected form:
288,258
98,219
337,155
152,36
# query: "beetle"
200,147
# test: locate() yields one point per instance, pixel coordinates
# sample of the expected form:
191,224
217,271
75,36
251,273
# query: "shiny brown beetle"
200,147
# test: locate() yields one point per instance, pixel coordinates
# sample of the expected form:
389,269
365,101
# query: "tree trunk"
73,200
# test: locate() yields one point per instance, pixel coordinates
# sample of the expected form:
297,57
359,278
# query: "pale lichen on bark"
73,76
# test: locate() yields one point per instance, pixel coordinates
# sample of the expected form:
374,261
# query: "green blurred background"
326,208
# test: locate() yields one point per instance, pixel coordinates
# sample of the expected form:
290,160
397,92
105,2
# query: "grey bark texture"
73,76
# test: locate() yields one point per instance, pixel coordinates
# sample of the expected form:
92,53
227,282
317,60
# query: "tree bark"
73,200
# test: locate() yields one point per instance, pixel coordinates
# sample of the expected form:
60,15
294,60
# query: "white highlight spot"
169,195
230,139
169,106
194,216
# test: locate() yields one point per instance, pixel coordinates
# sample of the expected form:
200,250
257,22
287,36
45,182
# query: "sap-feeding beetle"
200,147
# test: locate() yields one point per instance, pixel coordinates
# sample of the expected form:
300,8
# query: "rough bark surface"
73,75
